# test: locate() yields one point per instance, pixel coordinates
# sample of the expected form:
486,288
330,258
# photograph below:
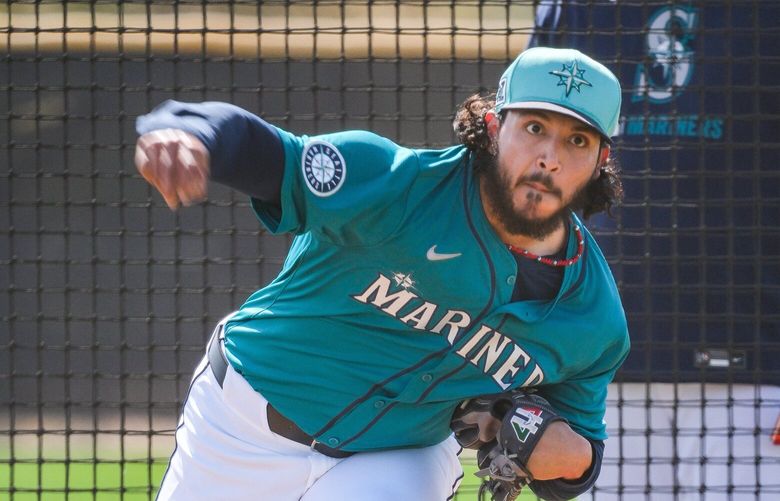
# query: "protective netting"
109,296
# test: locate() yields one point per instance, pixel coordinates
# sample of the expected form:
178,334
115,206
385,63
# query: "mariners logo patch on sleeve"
323,168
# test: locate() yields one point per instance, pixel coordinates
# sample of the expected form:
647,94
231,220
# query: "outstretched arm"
182,145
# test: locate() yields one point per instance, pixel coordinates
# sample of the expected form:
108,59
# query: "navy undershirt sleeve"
561,490
246,151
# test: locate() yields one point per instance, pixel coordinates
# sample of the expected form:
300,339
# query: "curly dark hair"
600,195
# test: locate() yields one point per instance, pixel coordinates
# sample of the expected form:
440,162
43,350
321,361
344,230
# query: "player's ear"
493,123
604,154
604,151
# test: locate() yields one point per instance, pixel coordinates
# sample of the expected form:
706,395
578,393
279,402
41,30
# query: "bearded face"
538,170
522,219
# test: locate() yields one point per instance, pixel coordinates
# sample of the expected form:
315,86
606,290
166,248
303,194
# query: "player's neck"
551,244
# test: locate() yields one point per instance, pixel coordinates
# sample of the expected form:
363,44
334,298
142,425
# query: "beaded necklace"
554,262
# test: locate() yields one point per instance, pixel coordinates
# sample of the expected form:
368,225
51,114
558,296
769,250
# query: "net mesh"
110,296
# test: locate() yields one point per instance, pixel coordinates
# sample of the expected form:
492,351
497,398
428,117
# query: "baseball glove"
476,421
520,421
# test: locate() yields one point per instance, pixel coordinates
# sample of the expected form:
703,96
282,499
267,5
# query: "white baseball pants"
224,450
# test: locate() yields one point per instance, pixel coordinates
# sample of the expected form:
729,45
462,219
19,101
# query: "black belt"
276,422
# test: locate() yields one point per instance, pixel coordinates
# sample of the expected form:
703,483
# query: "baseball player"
425,292
700,393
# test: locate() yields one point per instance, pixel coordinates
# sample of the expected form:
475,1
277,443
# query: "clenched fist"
176,163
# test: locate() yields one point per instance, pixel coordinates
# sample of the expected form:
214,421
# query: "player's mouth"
538,187
541,183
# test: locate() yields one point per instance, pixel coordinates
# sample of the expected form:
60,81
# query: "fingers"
192,176
153,162
166,174
176,163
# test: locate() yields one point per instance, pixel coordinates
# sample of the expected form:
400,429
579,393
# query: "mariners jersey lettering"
484,343
406,292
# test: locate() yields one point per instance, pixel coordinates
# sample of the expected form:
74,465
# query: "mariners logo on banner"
526,421
669,69
323,168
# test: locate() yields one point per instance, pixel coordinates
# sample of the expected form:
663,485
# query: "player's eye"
579,141
534,128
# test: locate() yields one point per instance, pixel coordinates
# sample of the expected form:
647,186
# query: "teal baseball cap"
565,81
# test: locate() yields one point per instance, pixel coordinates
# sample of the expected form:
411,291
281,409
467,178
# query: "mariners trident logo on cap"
565,81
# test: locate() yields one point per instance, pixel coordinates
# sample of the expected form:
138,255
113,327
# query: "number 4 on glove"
505,429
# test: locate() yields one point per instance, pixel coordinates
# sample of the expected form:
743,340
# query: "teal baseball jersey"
393,304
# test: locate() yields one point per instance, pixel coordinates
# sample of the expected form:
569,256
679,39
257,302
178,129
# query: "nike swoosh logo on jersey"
432,255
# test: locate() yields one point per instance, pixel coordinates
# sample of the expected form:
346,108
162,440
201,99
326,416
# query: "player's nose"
548,158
